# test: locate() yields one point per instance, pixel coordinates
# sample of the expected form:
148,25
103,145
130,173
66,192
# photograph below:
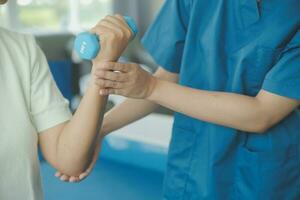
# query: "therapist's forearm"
245,113
228,109
127,112
133,109
76,142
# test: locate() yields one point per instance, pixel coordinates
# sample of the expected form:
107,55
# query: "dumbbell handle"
87,44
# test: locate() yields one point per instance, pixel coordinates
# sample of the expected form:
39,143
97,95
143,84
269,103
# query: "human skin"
60,143
246,113
147,92
69,146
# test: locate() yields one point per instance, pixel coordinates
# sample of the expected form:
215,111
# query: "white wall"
144,11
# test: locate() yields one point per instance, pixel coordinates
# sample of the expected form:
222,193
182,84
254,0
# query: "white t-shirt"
29,104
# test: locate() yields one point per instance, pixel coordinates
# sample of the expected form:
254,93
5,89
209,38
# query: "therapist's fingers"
110,91
71,179
110,75
94,160
105,92
114,66
109,84
64,178
83,175
58,174
74,179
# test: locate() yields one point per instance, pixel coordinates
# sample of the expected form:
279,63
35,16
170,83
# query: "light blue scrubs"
236,46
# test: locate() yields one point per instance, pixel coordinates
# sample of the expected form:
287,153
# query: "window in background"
3,21
53,15
37,15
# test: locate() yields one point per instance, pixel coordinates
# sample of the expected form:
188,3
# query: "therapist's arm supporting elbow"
245,113
69,146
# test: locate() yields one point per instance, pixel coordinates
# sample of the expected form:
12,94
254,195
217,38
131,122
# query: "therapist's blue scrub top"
236,46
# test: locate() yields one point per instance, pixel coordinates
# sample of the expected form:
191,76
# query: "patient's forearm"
76,142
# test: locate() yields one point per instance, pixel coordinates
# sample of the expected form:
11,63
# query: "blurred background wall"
73,15
143,11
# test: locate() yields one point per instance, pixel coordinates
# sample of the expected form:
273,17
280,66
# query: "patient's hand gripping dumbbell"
87,44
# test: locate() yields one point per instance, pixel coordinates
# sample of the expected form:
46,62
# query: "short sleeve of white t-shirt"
30,103
48,107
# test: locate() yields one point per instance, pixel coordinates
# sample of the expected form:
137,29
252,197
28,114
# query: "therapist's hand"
86,173
125,79
114,34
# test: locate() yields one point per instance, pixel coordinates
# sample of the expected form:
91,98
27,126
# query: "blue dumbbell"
87,44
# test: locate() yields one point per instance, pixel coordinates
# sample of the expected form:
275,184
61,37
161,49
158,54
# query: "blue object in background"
87,44
139,154
62,74
109,181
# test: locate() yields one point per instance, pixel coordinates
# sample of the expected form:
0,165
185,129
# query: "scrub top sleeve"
284,77
48,107
165,38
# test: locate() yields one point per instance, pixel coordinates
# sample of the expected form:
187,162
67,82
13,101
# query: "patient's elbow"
71,169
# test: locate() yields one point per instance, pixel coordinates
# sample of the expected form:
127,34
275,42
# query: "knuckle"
102,22
108,17
122,34
119,16
101,66
98,23
113,35
97,29
128,33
